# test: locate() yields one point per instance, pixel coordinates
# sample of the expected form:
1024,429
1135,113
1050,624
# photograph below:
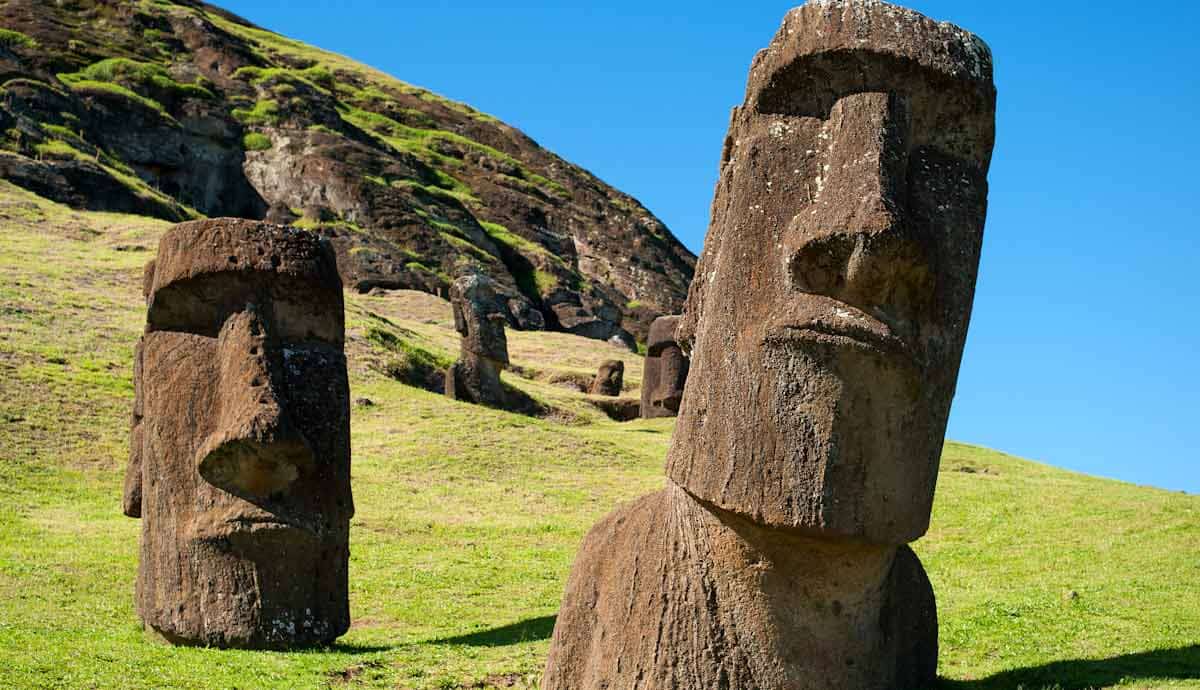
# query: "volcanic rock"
177,108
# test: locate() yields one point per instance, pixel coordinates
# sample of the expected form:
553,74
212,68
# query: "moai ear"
132,502
148,279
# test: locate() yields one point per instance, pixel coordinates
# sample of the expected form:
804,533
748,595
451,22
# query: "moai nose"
255,451
854,242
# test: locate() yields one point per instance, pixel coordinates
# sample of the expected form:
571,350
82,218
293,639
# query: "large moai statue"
475,377
240,452
665,372
826,324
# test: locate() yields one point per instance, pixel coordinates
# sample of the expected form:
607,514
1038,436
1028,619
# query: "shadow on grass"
352,648
529,630
1182,663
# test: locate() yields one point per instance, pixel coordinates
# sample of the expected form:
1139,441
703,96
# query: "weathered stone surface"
826,326
475,377
240,463
835,287
609,379
665,372
668,592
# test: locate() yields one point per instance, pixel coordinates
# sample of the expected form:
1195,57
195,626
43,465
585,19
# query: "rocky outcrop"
826,335
179,109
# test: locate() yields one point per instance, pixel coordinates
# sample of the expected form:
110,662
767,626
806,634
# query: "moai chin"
475,377
826,325
666,370
240,452
610,378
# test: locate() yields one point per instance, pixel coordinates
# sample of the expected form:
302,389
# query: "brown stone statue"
475,377
240,449
826,322
609,379
665,372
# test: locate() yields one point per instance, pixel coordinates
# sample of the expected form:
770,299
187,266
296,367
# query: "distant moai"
665,372
240,446
609,379
475,377
826,323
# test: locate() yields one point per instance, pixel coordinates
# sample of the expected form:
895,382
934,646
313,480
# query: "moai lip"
825,328
240,453
665,372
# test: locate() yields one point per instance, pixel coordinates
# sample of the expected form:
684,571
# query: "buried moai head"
610,378
665,372
240,465
831,303
478,319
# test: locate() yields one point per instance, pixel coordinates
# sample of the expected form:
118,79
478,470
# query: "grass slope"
468,518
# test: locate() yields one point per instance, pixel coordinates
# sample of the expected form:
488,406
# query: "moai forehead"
662,334
478,318
830,305
206,270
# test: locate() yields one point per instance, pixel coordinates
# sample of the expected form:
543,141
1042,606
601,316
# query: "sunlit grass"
468,518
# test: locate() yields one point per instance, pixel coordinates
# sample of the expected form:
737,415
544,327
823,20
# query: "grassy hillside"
468,518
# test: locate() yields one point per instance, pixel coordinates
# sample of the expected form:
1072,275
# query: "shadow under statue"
826,326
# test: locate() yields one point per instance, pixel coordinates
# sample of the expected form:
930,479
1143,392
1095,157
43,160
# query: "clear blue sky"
1085,345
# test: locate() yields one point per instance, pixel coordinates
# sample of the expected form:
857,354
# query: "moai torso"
666,370
826,325
240,462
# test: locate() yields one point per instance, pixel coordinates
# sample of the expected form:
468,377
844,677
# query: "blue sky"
1085,345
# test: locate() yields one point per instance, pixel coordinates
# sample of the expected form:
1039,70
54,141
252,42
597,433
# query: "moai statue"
609,379
666,370
240,452
475,377
826,324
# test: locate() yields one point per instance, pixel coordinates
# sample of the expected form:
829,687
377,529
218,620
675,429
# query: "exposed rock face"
665,372
475,377
827,324
240,449
609,379
177,108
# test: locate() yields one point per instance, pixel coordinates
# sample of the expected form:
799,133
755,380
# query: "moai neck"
806,612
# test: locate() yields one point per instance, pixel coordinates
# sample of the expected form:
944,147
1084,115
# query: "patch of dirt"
350,674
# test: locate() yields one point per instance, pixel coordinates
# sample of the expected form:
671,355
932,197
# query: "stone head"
240,463
477,318
665,385
830,306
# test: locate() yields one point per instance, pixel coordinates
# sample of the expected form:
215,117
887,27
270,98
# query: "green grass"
256,141
97,88
15,39
132,79
265,112
56,148
468,518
